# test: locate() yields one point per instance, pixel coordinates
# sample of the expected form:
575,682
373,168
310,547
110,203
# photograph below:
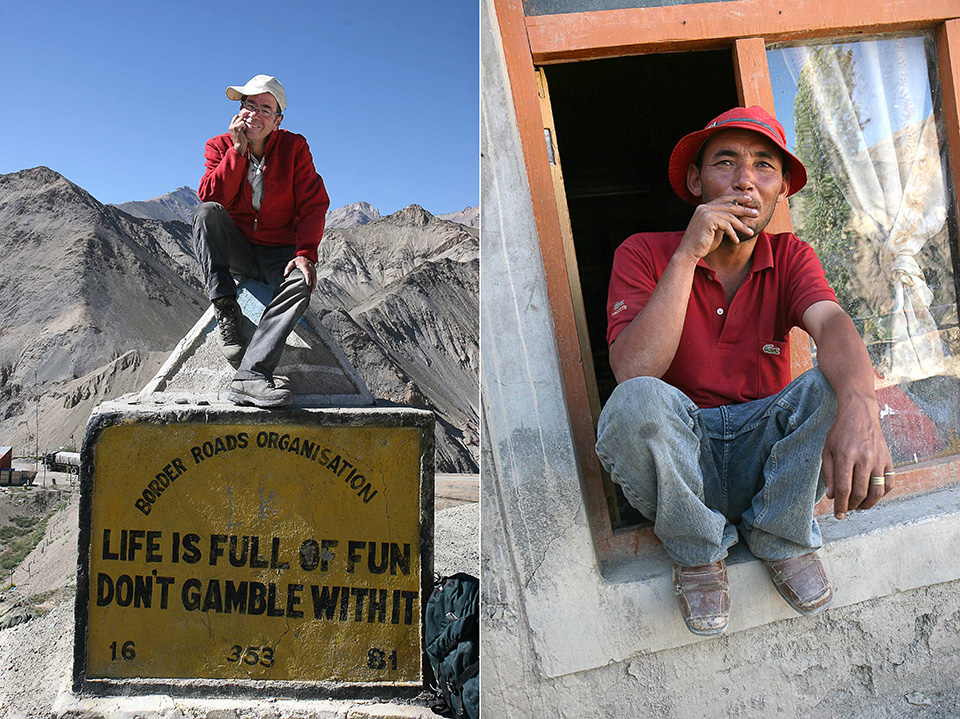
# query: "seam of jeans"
645,508
791,425
744,429
724,462
784,404
765,491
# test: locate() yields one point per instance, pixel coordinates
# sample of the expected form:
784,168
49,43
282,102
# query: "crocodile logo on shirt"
619,307
771,349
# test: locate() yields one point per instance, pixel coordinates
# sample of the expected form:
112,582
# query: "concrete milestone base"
236,553
318,373
162,706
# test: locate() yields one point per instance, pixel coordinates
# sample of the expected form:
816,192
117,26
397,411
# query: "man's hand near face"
716,219
237,131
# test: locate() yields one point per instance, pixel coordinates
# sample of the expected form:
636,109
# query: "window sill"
869,555
630,543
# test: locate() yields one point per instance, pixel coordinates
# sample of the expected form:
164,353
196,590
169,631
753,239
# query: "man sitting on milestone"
262,217
705,431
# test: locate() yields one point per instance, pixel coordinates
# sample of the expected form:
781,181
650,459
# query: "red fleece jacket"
295,201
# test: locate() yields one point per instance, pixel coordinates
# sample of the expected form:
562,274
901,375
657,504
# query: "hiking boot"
259,393
229,336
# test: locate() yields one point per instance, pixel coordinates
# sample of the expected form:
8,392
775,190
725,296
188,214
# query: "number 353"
251,655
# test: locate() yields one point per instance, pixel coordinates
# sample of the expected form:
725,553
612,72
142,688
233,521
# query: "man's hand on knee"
306,267
857,467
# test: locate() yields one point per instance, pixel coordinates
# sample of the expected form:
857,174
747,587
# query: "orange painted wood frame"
524,91
580,36
607,33
753,88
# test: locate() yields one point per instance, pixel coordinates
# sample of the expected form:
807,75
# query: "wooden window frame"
533,41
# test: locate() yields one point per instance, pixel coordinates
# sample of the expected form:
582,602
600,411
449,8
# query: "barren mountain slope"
409,283
457,440
358,262
78,289
352,215
469,216
427,322
177,205
82,284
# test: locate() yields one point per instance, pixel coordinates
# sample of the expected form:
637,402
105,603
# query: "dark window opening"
617,120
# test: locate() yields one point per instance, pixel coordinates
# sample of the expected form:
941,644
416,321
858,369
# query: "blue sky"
120,97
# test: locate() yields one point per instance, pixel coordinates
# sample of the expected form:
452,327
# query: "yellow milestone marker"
281,552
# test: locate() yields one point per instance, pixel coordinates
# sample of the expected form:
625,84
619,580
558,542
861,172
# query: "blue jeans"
701,474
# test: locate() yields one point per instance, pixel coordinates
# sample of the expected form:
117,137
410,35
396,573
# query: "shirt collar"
762,255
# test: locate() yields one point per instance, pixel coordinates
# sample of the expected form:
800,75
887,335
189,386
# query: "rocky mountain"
353,215
177,205
182,203
469,216
405,288
83,284
95,298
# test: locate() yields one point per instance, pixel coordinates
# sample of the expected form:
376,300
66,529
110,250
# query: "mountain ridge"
88,284
180,204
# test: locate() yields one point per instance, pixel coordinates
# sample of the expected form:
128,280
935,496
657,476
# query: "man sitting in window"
705,431
262,217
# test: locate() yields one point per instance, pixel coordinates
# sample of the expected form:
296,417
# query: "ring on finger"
878,481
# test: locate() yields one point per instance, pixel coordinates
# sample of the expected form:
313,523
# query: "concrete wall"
564,636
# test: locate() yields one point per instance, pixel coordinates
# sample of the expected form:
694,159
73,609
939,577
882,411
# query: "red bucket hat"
748,118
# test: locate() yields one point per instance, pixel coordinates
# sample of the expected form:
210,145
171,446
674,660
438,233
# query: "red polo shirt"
727,354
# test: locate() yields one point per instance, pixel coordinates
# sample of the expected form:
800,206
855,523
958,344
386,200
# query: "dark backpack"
452,632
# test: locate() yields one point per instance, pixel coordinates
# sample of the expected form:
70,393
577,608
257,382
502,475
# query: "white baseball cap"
258,85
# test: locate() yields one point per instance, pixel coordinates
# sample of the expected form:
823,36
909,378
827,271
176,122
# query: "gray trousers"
223,251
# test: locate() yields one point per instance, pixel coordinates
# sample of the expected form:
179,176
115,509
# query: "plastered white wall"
560,639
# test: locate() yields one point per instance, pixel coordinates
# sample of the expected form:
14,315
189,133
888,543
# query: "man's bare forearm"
843,359
646,347
857,468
